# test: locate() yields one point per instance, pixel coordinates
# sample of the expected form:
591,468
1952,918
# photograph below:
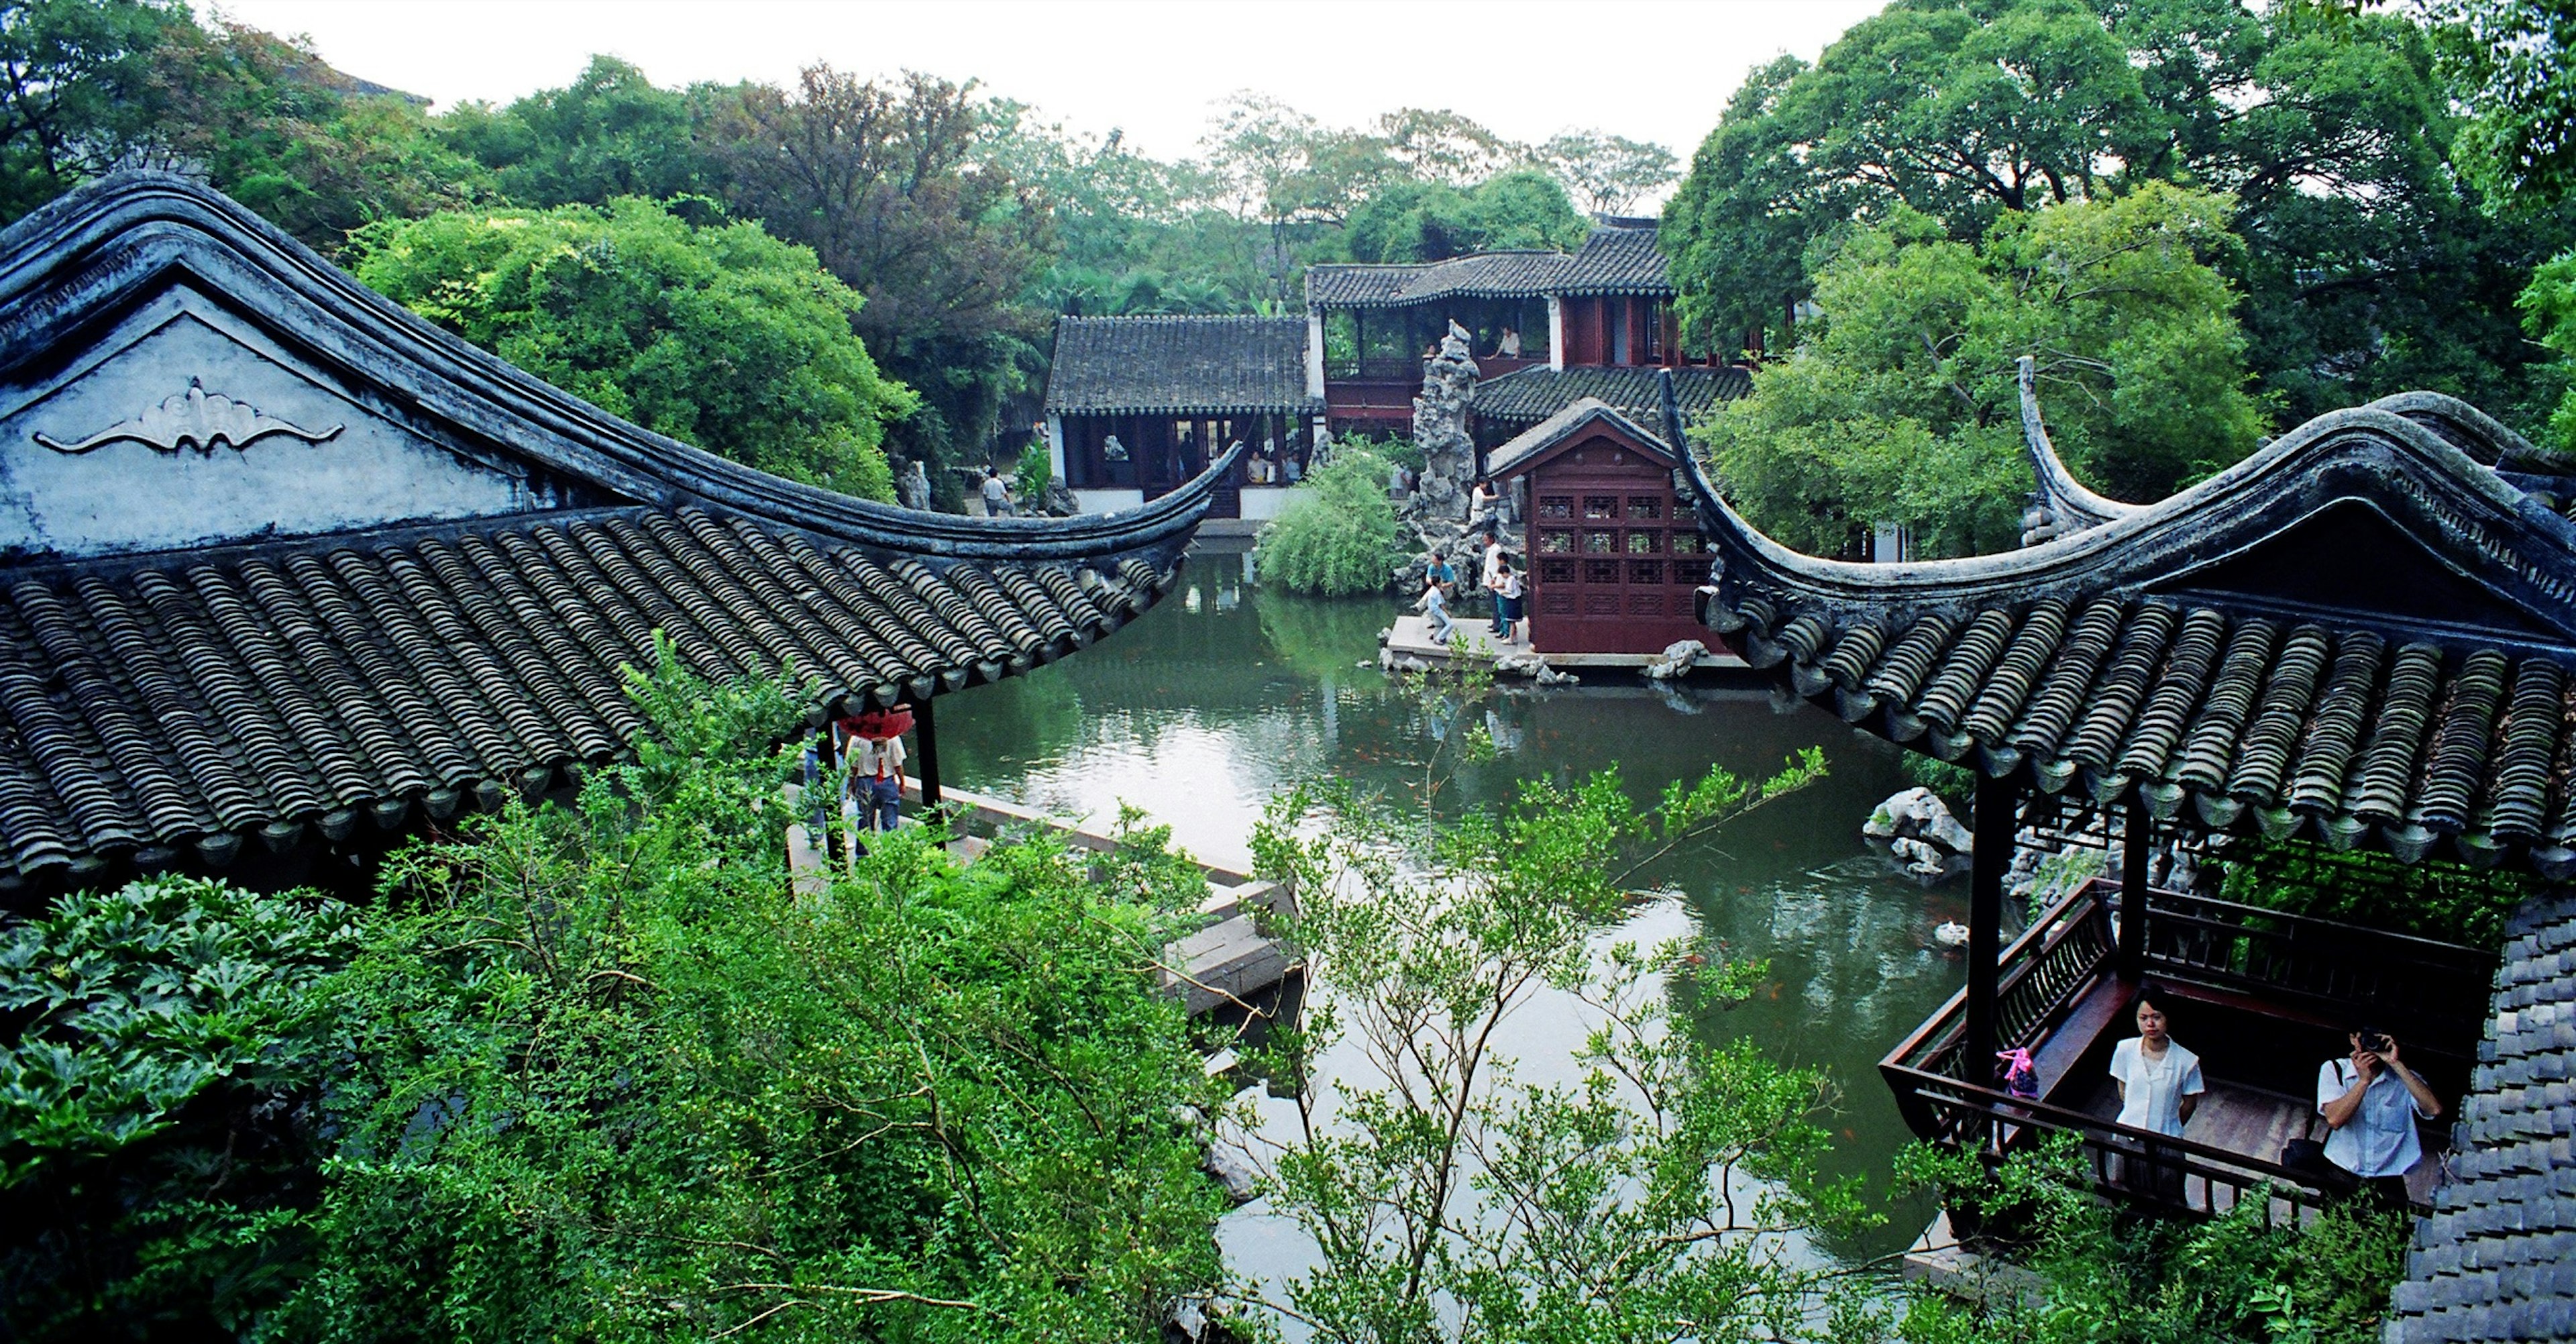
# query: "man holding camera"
2370,1102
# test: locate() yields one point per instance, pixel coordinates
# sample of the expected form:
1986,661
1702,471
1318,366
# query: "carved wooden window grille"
1601,543
1600,571
1556,543
1600,506
1644,542
1556,571
1646,571
1645,507
1556,506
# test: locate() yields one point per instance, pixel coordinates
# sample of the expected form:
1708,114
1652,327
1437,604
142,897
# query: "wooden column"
926,729
2137,839
1998,808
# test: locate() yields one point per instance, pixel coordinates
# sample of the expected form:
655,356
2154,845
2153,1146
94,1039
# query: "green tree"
95,85
2549,314
609,133
892,187
1604,173
79,94
721,336
1449,1198
1337,537
1956,110
2515,60
1900,404
1427,221
1428,145
2371,265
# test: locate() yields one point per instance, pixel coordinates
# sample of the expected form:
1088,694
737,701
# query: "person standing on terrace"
2371,1102
2160,1086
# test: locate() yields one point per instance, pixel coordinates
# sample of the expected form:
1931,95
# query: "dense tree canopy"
610,133
891,187
721,336
2516,60
2370,265
94,85
1427,221
1900,404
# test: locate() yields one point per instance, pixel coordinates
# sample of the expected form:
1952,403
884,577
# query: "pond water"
1224,694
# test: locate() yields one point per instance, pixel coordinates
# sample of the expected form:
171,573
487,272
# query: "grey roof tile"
1612,261
1618,261
2497,1257
1527,396
1167,365
167,705
1480,275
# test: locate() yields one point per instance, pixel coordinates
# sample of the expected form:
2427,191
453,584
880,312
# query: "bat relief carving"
196,419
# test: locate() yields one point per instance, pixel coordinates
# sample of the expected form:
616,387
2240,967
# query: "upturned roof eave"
2123,551
78,255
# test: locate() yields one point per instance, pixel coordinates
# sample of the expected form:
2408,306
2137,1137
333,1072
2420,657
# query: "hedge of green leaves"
1338,537
597,1074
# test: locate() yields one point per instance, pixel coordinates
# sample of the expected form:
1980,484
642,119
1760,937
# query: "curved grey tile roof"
2361,635
2497,1257
1481,275
1527,396
1618,261
175,706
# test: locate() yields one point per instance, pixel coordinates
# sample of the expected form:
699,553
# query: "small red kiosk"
1614,545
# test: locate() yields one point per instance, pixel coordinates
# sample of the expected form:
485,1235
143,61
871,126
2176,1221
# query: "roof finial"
2058,503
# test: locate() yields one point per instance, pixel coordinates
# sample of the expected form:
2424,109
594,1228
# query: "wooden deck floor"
2258,1123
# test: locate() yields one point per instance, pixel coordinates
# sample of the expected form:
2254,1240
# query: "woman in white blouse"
2160,1085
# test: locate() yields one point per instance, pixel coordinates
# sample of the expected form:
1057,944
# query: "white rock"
1679,658
1919,858
1919,814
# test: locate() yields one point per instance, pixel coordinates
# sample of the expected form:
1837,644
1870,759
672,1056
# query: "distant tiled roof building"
1525,397
1612,261
1481,275
1618,261
2497,1258
286,570
1178,365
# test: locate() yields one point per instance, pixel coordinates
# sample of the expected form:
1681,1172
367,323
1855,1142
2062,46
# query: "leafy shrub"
597,1074
2115,1277
158,1105
612,1079
1338,537
1954,784
2432,899
1032,474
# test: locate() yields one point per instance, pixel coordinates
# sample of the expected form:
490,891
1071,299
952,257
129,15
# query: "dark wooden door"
1615,556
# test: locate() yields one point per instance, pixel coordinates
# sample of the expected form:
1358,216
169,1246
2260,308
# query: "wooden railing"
2335,972
2175,1175
2041,976
2292,965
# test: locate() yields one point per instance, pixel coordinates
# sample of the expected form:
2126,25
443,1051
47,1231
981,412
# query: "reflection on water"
1209,704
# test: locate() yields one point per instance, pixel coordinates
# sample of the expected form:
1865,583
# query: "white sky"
1655,70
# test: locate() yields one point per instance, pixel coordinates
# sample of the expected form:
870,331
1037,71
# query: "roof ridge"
81,253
